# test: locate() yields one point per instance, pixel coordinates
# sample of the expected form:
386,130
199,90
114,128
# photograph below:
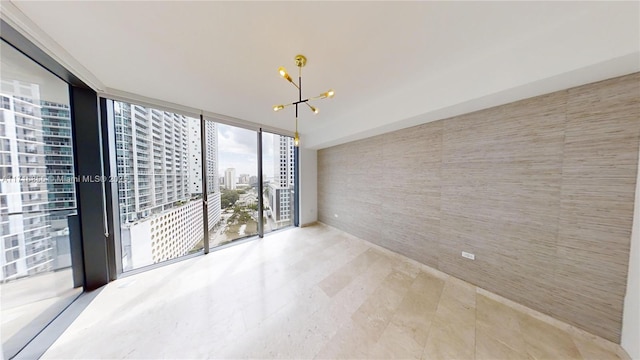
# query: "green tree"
239,216
228,198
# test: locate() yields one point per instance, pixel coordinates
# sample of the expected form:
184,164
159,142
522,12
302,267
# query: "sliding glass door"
37,199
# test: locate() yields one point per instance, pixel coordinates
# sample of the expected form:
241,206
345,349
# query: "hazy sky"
237,148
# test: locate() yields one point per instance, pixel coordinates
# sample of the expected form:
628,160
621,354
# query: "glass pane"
213,181
278,167
238,181
37,199
158,156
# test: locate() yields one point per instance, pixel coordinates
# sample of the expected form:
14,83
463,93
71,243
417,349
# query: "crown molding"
124,96
15,18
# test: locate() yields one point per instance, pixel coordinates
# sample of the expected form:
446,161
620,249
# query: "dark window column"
260,187
88,164
205,177
114,249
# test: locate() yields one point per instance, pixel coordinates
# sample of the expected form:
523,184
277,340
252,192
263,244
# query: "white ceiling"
392,64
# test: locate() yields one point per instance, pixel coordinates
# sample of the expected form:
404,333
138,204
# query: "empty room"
320,180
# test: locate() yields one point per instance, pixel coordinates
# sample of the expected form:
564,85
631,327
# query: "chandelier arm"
294,84
319,97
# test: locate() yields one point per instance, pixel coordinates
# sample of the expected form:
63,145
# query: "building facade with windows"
37,187
230,179
213,183
281,188
152,159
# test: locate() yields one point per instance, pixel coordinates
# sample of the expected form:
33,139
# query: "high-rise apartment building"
281,189
230,179
195,158
253,180
159,167
213,184
244,179
152,159
37,190
58,149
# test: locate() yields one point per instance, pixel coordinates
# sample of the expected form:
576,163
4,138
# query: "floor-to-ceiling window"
37,199
278,164
159,175
177,174
233,174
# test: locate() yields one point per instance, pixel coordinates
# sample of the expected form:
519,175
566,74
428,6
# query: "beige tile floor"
313,293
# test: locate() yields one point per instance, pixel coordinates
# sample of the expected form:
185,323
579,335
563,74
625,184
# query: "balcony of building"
50,104
58,133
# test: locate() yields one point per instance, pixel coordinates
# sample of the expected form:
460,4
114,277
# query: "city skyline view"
159,158
240,151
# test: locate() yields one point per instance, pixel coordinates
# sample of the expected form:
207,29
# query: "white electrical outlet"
468,255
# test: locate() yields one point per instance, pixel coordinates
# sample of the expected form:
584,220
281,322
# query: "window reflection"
159,175
37,199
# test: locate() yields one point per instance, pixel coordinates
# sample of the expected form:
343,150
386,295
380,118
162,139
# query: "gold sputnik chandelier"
300,62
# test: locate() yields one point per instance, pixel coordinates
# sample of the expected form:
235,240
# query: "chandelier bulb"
296,139
284,74
329,94
278,107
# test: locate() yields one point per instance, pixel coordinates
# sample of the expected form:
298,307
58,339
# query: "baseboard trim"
310,224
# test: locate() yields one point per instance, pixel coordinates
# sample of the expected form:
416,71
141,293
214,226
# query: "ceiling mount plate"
300,60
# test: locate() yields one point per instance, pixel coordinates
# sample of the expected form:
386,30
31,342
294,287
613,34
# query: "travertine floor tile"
311,293
544,341
350,342
418,308
488,348
500,322
398,342
452,333
341,278
592,351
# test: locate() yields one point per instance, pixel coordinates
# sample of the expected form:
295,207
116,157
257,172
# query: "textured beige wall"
540,190
308,186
